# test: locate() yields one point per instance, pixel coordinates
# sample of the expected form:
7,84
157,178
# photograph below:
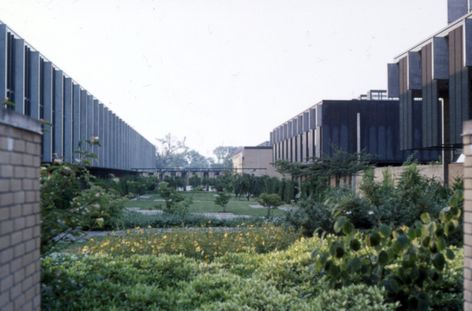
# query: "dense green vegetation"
394,245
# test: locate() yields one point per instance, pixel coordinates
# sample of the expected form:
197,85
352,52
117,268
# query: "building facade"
33,86
436,73
360,125
255,161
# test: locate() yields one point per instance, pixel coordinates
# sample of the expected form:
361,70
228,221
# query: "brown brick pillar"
20,148
467,139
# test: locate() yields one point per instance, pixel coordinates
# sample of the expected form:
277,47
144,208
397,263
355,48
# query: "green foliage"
354,298
99,209
311,216
166,220
403,203
410,262
175,203
222,199
60,184
281,280
270,201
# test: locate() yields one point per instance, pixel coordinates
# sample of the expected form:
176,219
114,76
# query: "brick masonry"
20,151
467,140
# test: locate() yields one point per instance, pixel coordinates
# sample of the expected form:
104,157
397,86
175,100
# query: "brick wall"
467,139
20,147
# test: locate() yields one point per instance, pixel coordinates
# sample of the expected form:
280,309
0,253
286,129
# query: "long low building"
32,85
367,125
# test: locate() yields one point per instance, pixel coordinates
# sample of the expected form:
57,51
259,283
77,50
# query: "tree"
223,155
269,200
222,199
173,152
170,196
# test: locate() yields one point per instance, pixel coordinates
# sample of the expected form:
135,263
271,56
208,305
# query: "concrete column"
95,132
114,144
467,140
106,137
3,62
19,75
68,120
76,115
83,119
89,132
35,84
101,134
393,71
47,104
58,126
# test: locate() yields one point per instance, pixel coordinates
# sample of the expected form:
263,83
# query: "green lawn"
203,202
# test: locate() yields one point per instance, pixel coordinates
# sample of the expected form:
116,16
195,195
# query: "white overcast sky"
222,72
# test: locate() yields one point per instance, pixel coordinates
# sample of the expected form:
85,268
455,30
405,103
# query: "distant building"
255,161
34,86
358,125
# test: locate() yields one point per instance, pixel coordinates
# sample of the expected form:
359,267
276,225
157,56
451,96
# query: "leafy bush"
98,208
354,298
282,280
408,261
60,183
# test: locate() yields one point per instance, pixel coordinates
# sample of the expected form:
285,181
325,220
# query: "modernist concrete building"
255,161
433,83
32,85
369,124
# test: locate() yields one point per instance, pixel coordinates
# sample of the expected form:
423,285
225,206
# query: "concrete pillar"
114,143
101,134
467,141
58,102
68,120
35,84
83,120
19,75
89,128
95,132
456,9
106,137
47,106
3,62
76,117
393,80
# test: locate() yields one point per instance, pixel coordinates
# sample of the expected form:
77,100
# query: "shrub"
354,298
60,183
408,261
98,208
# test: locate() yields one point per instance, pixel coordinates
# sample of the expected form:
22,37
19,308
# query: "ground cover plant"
203,244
